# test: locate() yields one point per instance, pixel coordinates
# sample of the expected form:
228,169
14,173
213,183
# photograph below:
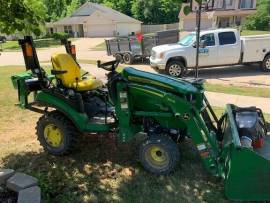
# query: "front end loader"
235,147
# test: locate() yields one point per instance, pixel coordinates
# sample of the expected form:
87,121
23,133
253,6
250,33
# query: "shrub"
258,21
261,19
60,36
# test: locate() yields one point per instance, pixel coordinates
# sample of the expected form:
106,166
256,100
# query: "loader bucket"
246,171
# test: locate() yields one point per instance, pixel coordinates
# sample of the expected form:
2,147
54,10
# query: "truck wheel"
119,58
175,69
266,64
159,155
128,58
56,134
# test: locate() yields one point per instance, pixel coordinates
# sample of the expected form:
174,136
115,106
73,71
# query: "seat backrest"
64,62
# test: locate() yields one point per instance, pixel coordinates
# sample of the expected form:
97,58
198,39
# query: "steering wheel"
108,66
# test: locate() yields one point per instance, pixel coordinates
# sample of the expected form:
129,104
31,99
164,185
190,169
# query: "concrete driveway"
83,47
249,76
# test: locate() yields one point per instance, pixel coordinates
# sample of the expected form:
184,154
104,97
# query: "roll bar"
30,56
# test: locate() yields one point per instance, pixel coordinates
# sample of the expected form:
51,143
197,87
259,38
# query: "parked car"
126,49
3,39
218,47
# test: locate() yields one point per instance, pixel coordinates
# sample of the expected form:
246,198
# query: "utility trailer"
126,49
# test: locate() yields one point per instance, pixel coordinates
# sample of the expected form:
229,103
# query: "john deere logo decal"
186,116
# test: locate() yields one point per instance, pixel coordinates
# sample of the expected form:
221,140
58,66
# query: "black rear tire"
128,58
159,155
175,68
119,58
266,64
56,123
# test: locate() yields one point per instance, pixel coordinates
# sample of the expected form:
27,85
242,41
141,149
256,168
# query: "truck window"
209,39
187,40
226,38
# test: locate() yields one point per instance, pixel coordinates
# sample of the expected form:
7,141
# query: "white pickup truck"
220,47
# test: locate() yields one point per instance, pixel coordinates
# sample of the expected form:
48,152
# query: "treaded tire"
168,146
266,64
70,133
119,58
175,68
128,58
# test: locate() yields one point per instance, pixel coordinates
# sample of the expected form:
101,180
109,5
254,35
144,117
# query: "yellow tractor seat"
71,74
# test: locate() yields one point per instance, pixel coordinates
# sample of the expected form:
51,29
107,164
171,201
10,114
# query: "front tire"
175,68
159,155
56,134
266,64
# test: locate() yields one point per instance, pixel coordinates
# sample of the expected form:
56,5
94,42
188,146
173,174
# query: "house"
94,20
220,14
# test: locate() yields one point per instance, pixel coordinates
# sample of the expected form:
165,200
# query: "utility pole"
198,32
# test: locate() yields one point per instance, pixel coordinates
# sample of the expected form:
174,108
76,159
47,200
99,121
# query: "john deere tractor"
235,147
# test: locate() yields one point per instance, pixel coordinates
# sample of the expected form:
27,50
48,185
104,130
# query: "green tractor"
234,147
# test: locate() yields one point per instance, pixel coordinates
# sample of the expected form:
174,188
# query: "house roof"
87,9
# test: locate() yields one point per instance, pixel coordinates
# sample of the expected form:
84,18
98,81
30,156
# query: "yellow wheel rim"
158,155
53,135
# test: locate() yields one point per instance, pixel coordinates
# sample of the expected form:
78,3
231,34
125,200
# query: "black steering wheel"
108,66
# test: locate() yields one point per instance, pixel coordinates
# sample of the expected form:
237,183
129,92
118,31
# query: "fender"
49,100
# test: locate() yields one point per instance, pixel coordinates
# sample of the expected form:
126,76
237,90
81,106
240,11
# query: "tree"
72,7
18,15
40,12
156,11
261,19
123,6
56,9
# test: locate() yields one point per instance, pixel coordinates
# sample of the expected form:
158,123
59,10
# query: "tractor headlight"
246,119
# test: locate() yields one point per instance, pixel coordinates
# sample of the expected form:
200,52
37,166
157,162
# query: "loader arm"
177,112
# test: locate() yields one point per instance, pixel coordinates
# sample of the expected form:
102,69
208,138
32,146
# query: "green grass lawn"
40,43
100,47
9,45
245,91
98,170
254,32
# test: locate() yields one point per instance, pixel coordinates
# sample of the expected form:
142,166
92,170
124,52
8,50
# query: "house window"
223,22
68,29
237,20
246,4
226,38
229,2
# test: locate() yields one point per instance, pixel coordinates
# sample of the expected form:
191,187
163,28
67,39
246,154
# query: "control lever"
85,74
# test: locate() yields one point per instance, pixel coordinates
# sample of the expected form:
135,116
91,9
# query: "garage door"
105,30
124,29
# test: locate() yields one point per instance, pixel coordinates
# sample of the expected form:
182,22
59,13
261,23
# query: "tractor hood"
183,86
